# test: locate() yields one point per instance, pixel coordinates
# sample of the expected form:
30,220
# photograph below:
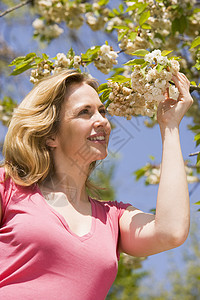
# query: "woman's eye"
84,111
103,112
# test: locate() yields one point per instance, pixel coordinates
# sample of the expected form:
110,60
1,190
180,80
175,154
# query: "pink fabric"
41,258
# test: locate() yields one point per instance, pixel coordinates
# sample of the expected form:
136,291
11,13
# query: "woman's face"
84,130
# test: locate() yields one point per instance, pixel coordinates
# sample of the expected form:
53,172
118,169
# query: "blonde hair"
27,157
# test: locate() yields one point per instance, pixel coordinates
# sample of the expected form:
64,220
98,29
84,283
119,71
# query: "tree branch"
16,7
192,87
194,154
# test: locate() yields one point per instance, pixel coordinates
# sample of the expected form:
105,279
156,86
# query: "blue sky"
131,140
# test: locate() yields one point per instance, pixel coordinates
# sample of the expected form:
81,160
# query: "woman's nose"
100,120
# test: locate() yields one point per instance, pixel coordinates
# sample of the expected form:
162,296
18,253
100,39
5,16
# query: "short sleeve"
121,207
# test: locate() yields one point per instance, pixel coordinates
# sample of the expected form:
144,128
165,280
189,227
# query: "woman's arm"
145,234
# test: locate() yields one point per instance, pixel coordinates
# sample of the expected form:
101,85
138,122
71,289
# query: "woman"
56,242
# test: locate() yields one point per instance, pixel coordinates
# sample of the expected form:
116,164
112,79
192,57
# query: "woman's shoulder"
114,205
111,203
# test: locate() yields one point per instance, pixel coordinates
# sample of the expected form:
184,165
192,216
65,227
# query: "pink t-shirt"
41,258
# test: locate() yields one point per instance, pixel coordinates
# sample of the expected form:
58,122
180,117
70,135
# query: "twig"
195,153
192,87
16,7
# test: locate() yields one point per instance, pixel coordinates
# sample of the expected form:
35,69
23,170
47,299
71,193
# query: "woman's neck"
70,180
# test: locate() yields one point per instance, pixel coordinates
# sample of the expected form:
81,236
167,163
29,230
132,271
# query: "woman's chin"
100,155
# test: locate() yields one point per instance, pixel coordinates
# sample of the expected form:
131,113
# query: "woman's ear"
51,142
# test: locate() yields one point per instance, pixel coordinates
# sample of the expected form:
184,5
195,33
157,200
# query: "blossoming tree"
157,37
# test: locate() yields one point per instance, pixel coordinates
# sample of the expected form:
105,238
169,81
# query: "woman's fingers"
181,82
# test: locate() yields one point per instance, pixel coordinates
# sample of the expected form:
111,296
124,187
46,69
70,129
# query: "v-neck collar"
64,222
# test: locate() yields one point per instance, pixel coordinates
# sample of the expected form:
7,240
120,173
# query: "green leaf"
120,78
22,59
175,57
102,87
195,43
144,17
122,34
197,203
140,172
197,137
152,157
196,127
136,61
175,26
17,60
159,68
141,8
197,66
131,8
121,8
197,142
166,52
91,51
70,53
107,103
183,24
21,70
132,36
121,27
179,24
38,60
105,95
24,63
140,52
45,56
146,26
153,211
116,12
196,10
30,55
103,2
198,159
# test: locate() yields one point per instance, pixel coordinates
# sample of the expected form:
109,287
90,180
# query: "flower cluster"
46,67
97,17
43,69
58,11
141,41
6,111
47,32
148,85
106,59
153,175
5,118
124,102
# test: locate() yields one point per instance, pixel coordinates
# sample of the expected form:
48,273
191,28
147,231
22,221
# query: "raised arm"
145,234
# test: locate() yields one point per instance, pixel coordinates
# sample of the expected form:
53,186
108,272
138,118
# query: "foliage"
182,282
140,27
151,171
126,285
130,273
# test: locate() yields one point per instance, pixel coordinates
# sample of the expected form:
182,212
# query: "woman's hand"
170,112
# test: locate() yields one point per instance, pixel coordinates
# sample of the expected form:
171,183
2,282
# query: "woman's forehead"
79,94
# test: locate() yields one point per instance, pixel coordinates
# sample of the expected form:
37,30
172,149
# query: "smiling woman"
56,242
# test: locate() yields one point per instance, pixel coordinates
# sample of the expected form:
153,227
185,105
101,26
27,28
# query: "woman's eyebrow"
87,106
